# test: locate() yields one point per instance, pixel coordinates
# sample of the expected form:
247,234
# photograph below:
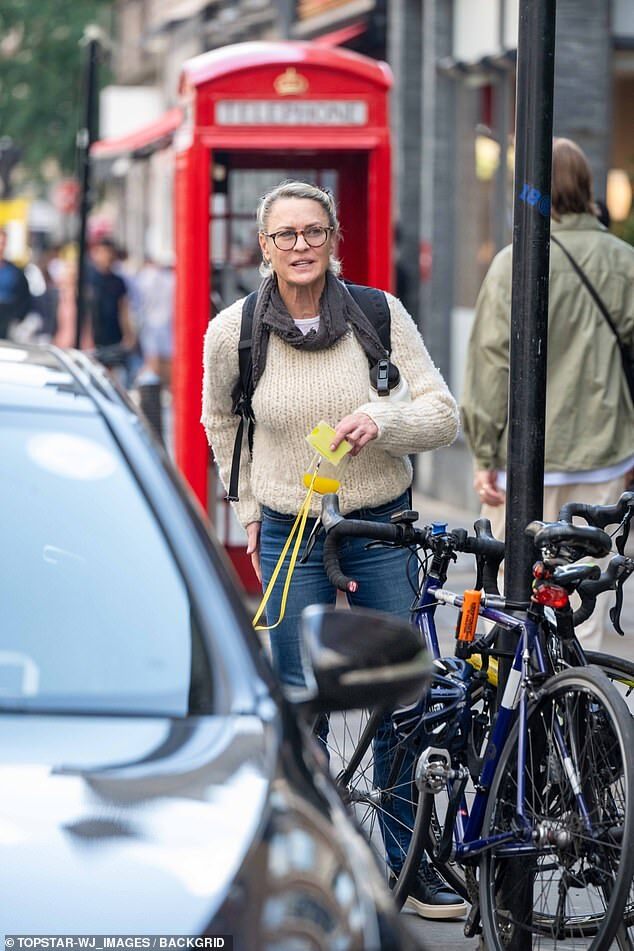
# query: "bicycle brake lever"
615,612
621,540
310,544
479,582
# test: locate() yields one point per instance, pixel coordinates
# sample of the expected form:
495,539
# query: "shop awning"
143,141
344,35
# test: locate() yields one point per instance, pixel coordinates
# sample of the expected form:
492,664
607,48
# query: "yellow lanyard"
297,530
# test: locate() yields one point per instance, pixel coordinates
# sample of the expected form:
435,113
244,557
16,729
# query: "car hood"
126,825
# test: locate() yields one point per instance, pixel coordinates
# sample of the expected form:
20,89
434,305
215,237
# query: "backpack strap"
374,305
242,394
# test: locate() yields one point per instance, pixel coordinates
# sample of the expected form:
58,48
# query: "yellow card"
320,439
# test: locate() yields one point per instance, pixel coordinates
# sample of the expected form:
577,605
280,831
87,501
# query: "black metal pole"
85,138
529,331
529,294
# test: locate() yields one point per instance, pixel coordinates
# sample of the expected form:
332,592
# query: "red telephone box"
255,114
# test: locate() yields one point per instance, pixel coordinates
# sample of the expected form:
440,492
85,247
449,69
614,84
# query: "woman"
311,351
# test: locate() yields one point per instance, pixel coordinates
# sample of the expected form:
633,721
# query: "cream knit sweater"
298,389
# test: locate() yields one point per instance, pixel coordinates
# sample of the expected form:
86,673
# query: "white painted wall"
476,28
623,18
124,109
461,323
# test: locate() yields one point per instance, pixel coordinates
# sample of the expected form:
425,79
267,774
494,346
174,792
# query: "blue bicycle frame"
468,839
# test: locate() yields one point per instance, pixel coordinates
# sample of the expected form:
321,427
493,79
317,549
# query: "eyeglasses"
315,237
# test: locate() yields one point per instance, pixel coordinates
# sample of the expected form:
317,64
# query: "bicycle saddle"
570,542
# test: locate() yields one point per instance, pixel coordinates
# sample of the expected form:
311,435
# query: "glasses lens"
315,237
285,240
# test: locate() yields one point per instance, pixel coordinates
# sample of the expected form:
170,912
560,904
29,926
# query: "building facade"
452,118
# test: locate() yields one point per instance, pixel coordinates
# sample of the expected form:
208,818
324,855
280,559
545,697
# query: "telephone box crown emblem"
290,83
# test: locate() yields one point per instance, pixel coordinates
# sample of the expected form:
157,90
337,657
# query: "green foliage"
41,76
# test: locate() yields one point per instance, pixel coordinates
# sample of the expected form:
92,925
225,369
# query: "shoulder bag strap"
626,360
590,287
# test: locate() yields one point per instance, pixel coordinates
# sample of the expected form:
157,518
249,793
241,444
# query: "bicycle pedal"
432,770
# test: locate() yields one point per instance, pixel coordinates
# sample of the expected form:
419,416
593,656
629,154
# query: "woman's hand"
253,547
358,429
485,482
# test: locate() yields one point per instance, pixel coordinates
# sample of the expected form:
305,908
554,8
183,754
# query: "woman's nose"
301,241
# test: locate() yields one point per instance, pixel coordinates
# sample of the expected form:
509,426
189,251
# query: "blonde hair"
299,190
571,188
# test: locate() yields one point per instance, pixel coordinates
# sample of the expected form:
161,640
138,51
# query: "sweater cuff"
373,410
247,510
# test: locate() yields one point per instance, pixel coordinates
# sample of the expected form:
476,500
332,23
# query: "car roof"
49,379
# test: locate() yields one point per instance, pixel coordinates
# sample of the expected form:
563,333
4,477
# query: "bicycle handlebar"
618,569
600,515
402,534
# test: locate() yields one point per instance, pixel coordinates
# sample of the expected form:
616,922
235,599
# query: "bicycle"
571,837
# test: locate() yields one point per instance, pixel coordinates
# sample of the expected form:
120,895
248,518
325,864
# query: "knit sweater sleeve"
220,373
430,420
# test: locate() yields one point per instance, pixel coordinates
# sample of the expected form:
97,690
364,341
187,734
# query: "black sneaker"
431,897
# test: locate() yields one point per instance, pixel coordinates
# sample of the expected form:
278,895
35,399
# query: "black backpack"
374,305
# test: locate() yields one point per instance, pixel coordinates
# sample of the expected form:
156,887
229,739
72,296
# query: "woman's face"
303,265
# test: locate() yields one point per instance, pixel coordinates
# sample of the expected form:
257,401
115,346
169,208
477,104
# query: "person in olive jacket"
589,411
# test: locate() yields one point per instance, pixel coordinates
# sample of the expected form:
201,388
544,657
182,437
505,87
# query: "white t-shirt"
306,324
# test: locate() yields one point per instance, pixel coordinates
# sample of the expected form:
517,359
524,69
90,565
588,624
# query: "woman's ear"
262,240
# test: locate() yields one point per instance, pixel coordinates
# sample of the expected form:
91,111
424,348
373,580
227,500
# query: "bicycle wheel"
619,670
383,804
566,885
429,826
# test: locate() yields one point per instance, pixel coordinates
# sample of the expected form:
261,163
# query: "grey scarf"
338,313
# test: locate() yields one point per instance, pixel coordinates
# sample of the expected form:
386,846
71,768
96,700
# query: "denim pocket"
388,508
277,516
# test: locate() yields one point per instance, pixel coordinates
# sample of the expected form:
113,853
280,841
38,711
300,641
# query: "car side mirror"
359,658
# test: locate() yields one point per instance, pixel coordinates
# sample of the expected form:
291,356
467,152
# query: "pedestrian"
589,412
311,349
15,297
46,303
155,293
112,328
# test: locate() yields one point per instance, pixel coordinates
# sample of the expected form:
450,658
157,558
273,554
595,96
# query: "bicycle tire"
619,670
599,735
350,746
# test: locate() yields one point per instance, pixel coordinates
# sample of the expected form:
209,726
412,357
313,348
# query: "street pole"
85,138
529,292
529,331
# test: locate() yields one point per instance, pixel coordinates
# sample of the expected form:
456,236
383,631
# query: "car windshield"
95,614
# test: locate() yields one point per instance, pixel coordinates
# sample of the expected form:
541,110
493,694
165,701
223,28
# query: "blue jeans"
382,574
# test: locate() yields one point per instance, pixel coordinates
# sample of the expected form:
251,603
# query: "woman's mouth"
301,263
